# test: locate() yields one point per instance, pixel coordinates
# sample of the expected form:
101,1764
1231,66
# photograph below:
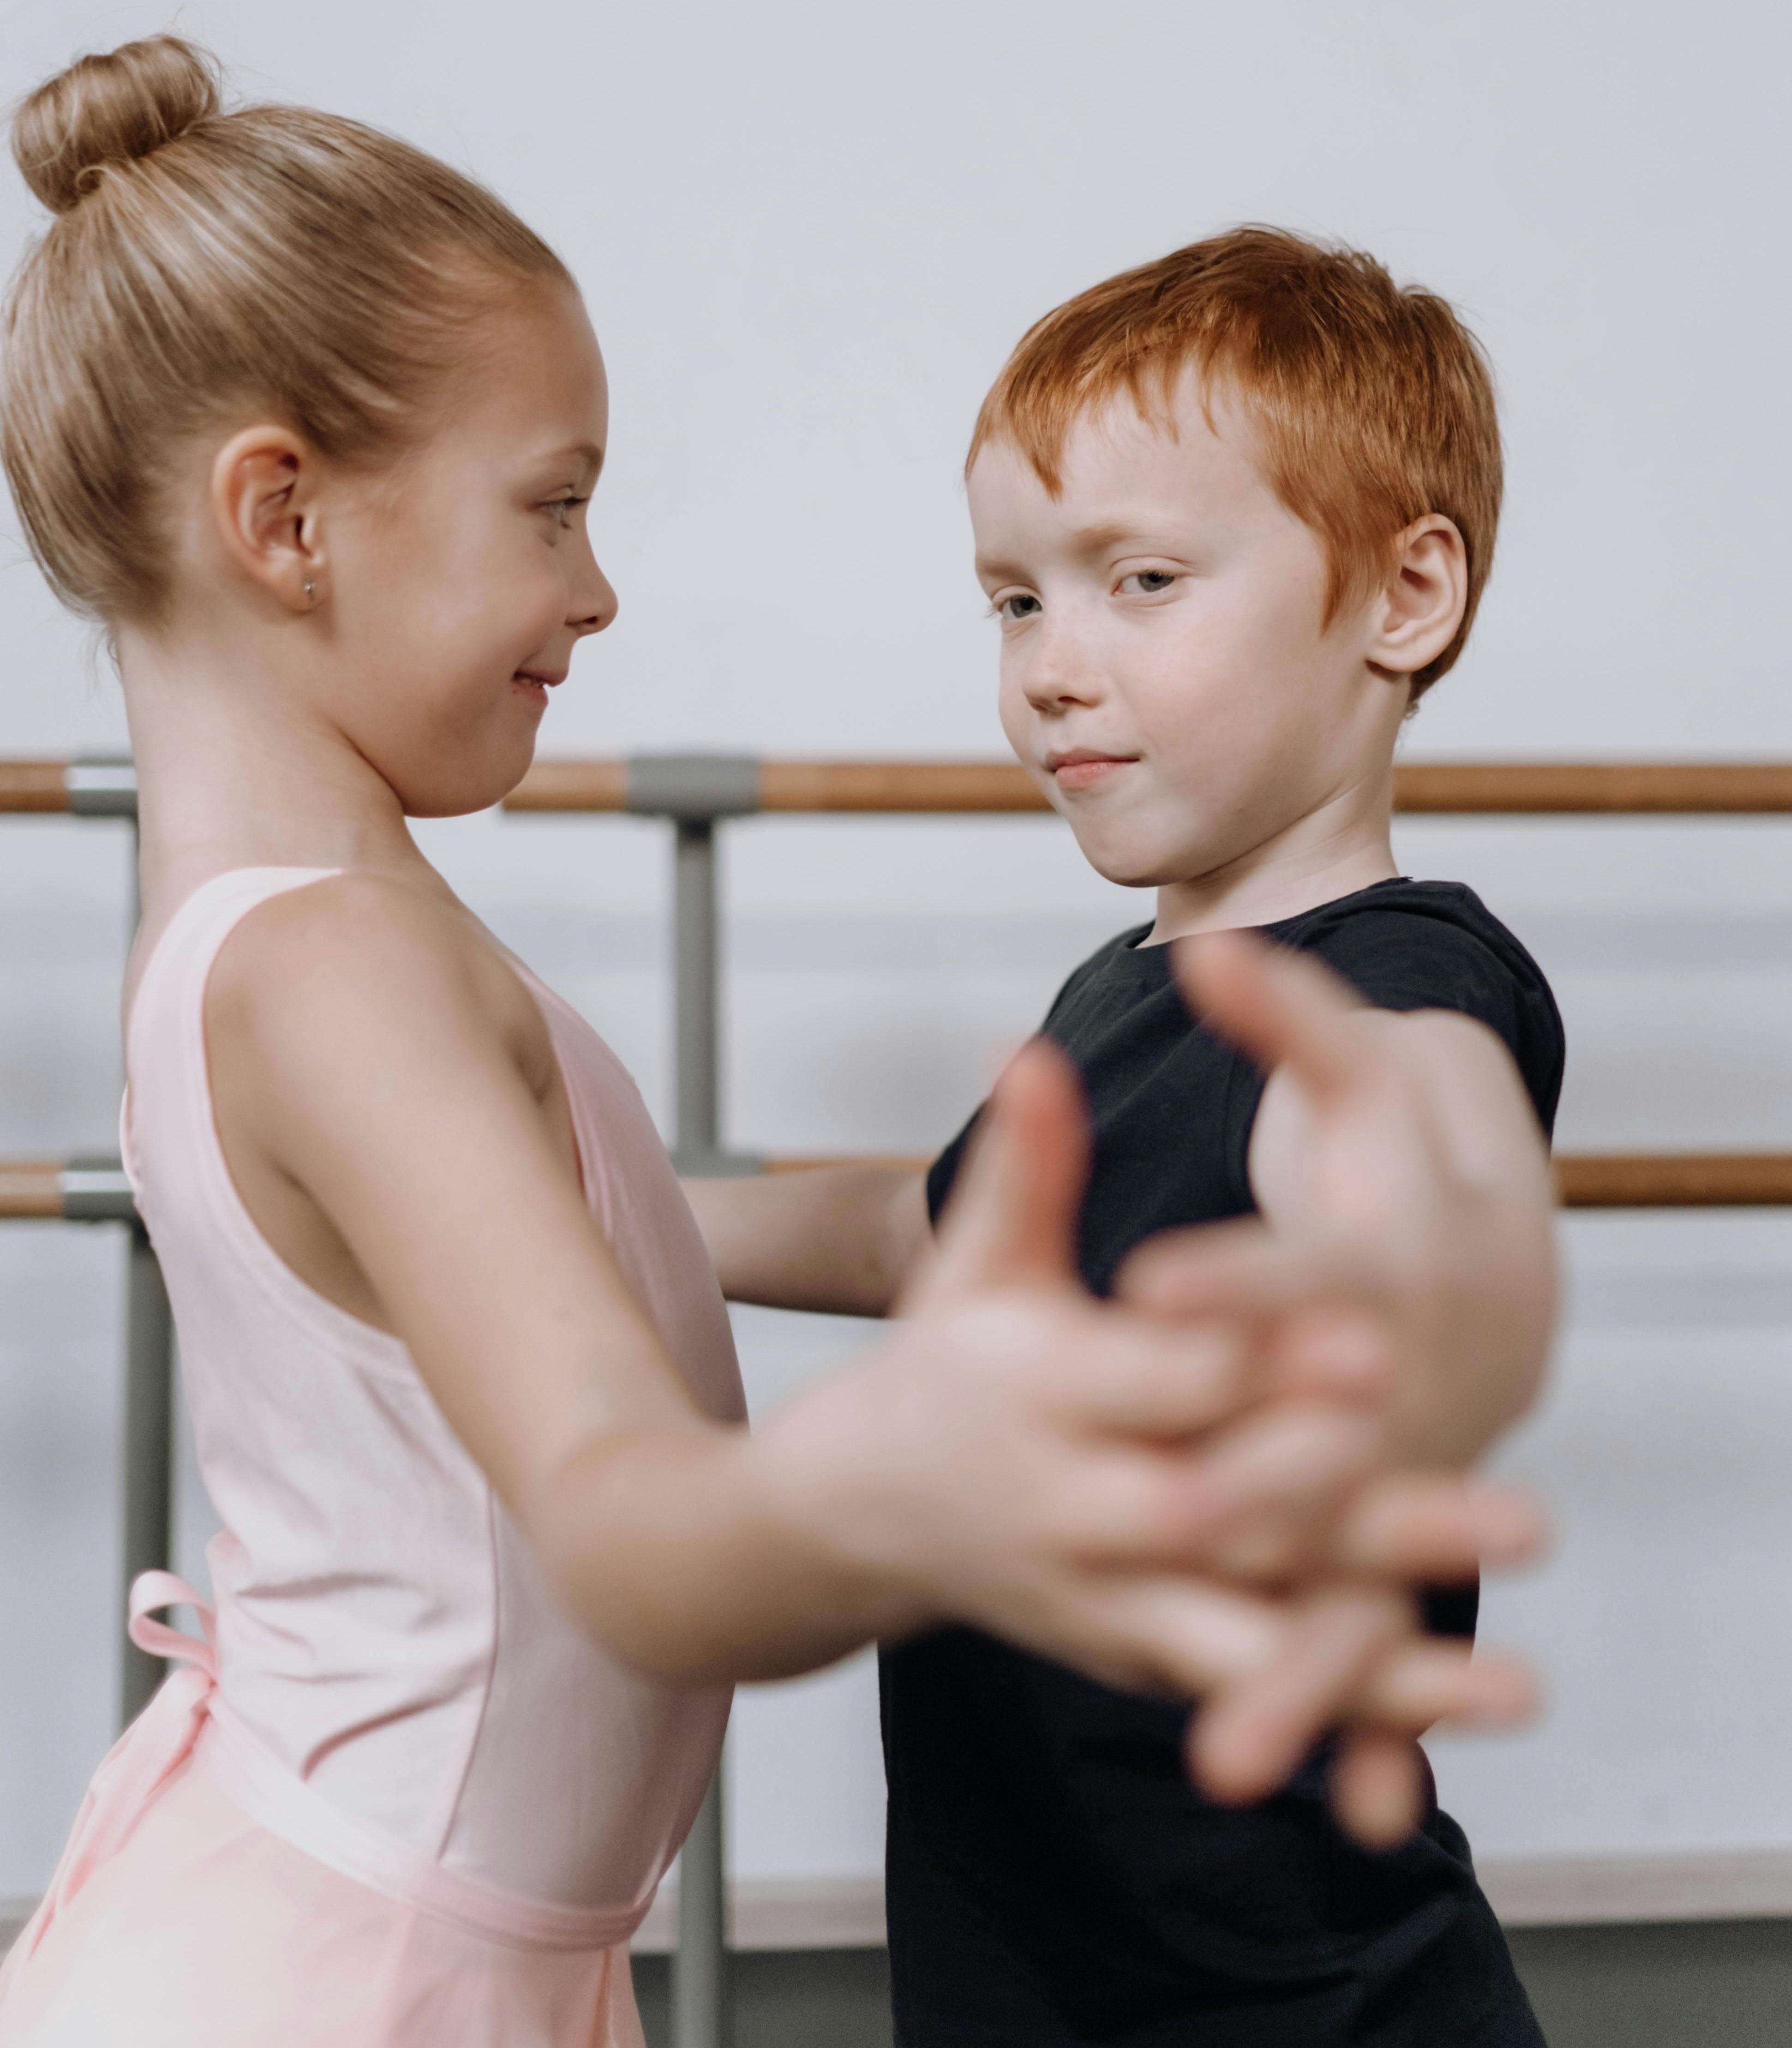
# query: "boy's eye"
1146,582
1021,604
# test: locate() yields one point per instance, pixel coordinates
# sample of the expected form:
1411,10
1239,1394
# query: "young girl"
309,422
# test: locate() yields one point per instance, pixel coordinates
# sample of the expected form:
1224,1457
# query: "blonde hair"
273,257
1372,403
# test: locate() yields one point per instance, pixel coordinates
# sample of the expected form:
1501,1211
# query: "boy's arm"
839,1240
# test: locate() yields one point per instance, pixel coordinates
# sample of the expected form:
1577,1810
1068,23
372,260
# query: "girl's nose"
594,601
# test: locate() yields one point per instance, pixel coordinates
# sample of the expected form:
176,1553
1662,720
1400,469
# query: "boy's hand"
1401,1304
1401,1299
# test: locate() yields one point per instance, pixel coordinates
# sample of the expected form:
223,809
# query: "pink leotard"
392,1759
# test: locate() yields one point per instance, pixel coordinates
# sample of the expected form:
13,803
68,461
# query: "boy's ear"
264,509
1421,605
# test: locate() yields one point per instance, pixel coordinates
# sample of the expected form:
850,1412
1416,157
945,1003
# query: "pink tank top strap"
164,1033
178,967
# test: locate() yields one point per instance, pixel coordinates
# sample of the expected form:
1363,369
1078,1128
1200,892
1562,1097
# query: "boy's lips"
1081,767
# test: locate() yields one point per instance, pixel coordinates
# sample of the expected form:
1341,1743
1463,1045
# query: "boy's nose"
1057,680
1058,673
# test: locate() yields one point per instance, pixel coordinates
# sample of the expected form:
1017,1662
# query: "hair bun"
111,110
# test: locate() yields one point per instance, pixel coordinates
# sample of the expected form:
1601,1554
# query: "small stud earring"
310,589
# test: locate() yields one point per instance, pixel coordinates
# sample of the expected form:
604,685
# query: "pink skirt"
203,1930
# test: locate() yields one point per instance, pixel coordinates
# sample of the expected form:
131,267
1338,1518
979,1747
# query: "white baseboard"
1568,1891
1526,1891
782,1913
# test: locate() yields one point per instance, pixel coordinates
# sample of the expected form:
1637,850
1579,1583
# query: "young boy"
1235,510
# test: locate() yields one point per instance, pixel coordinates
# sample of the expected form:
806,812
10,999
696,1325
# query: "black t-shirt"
1053,1878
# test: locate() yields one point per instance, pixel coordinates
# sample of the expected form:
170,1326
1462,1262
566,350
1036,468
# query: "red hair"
1372,404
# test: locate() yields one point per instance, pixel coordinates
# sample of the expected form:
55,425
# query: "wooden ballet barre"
101,786
95,1190
33,786
30,1188
722,785
77,1190
1674,1180
1592,788
1585,1179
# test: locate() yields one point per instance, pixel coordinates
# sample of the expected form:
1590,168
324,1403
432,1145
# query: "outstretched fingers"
1321,1315
1434,1678
1012,1218
1129,1379
1164,1633
1251,1736
1439,1527
1263,1494
1379,1784
1282,1008
1347,1660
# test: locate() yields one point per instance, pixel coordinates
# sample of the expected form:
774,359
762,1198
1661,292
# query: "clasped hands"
1224,1484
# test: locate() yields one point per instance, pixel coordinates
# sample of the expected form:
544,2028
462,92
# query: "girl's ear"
264,507
1421,605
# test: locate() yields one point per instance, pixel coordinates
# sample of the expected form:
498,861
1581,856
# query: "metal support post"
696,1024
105,786
699,1988
95,1190
699,1966
148,1493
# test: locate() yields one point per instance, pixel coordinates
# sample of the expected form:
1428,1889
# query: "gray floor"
1718,1984
1712,1984
1725,1984
817,1998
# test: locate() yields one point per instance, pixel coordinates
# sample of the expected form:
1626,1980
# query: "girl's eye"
1146,582
1022,604
560,509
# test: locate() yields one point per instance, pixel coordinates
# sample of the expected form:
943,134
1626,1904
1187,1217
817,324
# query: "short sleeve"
1433,952
942,1176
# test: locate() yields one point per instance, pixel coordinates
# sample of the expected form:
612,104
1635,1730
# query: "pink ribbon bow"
149,1752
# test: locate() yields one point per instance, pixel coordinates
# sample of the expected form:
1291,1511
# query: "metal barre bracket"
698,1163
101,786
95,1190
693,788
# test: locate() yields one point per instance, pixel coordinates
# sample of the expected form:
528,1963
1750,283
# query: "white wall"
808,233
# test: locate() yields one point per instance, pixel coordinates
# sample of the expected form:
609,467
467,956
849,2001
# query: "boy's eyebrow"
1098,539
1085,541
990,569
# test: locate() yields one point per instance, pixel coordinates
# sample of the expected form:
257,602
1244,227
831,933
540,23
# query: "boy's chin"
1129,867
